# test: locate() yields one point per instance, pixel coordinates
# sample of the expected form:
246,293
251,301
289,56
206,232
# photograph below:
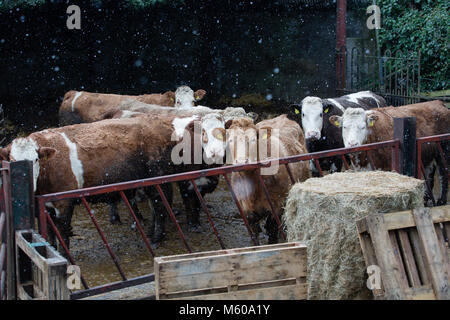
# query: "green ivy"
413,26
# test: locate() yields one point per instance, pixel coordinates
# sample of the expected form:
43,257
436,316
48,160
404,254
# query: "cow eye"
321,115
303,114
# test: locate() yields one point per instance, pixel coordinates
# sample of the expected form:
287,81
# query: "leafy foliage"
413,26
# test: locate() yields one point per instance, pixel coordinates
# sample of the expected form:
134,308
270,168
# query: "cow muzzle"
313,135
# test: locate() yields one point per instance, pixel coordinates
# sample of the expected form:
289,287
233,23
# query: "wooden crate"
411,249
262,272
41,270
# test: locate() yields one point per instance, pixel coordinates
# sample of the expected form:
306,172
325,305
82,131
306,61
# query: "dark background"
279,51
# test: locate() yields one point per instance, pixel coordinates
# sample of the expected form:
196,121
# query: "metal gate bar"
274,213
102,235
138,224
236,201
205,208
172,216
63,244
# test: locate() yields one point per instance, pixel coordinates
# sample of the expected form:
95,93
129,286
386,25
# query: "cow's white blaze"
75,162
77,95
213,147
354,127
242,145
184,97
312,117
26,149
353,97
179,125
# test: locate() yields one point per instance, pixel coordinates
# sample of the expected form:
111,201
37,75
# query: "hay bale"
322,213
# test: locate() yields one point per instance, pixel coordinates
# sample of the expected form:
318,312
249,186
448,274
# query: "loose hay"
322,213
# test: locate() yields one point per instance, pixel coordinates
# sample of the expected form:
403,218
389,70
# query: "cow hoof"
114,221
441,202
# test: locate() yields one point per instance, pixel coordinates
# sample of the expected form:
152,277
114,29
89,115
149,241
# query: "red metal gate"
45,219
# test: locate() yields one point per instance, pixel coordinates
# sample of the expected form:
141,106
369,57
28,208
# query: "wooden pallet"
41,270
262,272
411,250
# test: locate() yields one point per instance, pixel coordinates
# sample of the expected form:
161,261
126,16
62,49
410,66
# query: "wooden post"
405,131
18,189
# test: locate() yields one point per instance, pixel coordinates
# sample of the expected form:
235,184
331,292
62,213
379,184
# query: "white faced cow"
361,126
320,135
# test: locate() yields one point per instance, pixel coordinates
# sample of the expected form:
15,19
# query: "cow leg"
430,170
158,232
114,217
443,181
336,165
271,229
314,170
62,217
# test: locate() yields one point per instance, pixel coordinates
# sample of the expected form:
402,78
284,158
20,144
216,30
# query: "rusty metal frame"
45,219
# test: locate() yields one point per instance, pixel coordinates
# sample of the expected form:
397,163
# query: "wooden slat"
417,247
398,257
290,292
265,271
385,257
405,219
409,261
420,293
433,253
369,258
442,247
231,269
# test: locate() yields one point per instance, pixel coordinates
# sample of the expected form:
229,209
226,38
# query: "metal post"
341,36
405,131
17,179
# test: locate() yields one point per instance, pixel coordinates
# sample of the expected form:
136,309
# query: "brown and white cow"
368,126
104,152
82,106
269,139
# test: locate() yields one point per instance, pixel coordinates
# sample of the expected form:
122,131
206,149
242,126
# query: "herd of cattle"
108,138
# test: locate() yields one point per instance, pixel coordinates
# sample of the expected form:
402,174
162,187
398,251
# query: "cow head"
209,132
213,137
312,112
185,97
356,124
27,149
242,141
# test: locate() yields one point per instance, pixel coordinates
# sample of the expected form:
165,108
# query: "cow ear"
336,121
253,115
296,109
4,153
171,96
46,153
228,124
199,94
327,107
265,133
371,118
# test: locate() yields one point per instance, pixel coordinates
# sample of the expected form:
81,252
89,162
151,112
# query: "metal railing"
46,220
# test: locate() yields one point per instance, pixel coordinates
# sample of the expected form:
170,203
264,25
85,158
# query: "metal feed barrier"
403,156
46,220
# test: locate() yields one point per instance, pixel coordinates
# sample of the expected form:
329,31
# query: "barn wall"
280,52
